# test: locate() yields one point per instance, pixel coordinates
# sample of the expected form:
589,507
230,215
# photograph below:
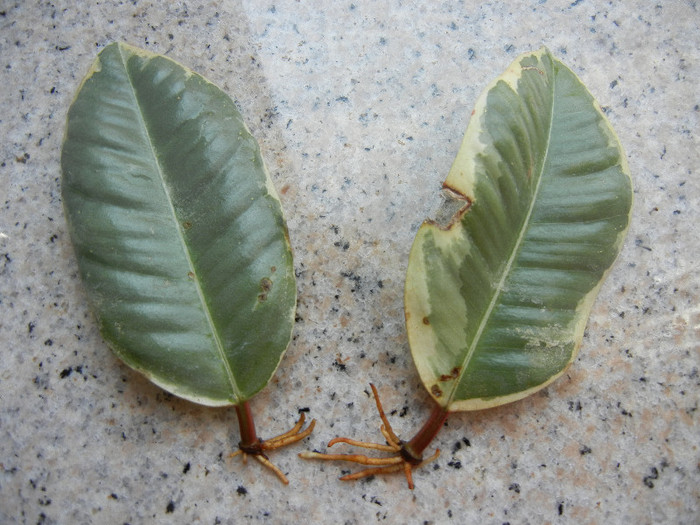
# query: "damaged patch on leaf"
454,206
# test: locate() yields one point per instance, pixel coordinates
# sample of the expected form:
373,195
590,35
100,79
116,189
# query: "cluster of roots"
402,456
258,448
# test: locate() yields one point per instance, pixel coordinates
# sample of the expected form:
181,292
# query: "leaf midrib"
516,249
200,293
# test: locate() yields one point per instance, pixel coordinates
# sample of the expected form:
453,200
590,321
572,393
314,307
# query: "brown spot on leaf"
454,374
265,287
426,320
187,225
533,68
436,391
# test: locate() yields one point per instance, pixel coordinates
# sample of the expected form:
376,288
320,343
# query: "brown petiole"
405,456
251,445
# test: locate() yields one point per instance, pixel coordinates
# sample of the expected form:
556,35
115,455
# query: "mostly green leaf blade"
178,232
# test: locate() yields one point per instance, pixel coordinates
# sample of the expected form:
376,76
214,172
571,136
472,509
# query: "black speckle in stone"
241,490
585,449
340,366
170,508
186,468
649,480
575,407
356,279
66,372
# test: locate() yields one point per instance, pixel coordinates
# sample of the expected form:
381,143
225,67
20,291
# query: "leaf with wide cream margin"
497,298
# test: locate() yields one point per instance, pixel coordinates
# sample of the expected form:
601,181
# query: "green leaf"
499,291
178,231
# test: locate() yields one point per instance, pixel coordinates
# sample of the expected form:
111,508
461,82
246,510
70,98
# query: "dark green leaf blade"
179,234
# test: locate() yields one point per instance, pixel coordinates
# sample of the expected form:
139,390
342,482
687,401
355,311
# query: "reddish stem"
412,451
250,443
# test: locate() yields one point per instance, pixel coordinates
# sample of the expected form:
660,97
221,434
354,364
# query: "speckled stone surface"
359,108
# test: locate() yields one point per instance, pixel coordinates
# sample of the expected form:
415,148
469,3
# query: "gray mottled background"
359,108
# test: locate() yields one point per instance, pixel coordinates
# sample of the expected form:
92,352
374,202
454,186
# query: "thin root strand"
290,437
354,458
274,468
372,472
364,444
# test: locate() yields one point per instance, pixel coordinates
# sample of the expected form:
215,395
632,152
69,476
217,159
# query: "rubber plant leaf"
498,291
177,229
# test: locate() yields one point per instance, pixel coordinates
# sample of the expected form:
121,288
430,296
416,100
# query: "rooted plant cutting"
179,234
500,286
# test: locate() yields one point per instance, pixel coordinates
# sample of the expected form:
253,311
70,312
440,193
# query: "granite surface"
359,108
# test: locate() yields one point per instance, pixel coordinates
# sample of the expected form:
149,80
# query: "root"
257,449
400,459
